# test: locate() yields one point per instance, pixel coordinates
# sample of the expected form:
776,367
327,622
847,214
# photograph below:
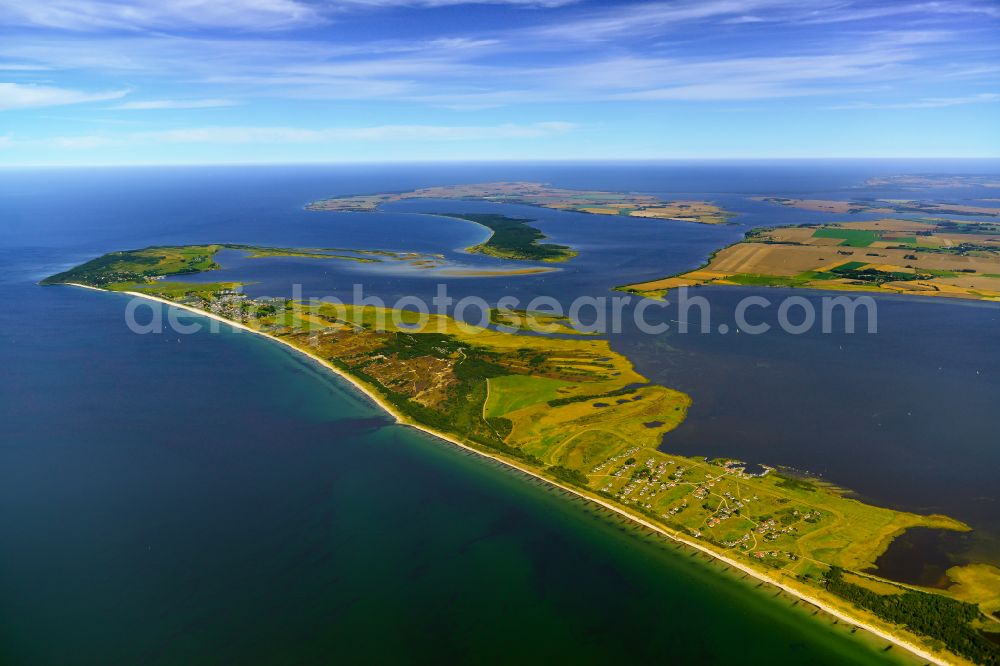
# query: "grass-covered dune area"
927,257
511,320
575,412
513,238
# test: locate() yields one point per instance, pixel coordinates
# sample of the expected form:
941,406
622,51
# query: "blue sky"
251,81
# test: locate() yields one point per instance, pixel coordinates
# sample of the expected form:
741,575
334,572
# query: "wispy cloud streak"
254,135
28,96
926,103
159,104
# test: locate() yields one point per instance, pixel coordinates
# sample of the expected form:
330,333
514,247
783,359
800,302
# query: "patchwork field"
883,206
537,194
927,258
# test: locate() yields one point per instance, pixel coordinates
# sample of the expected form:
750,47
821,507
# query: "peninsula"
514,238
594,202
146,265
927,257
575,413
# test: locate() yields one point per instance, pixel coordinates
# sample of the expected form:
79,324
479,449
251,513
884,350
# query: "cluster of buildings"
623,455
744,470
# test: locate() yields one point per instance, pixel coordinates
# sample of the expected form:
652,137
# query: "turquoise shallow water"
214,499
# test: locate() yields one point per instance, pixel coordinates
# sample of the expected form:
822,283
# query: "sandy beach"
373,394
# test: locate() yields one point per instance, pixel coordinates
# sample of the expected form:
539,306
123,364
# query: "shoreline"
372,394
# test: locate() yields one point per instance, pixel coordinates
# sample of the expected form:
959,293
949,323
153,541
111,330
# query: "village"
708,501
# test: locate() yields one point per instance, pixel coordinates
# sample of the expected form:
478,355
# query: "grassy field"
977,583
140,266
265,252
574,411
538,322
510,393
851,237
171,289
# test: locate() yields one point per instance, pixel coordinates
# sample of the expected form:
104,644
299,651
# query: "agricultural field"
538,194
921,257
882,206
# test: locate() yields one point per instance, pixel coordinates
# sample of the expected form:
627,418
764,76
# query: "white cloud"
97,15
375,133
695,79
175,104
451,3
541,60
478,75
80,142
926,103
835,13
26,96
20,67
729,90
254,15
260,135
644,19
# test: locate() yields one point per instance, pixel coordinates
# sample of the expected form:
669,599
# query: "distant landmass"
595,202
927,181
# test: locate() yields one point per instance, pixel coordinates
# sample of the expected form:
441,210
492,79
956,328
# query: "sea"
214,498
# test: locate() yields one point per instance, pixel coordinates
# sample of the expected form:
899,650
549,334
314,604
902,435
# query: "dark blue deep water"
213,499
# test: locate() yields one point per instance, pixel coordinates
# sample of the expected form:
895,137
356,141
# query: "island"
929,181
576,414
594,202
941,258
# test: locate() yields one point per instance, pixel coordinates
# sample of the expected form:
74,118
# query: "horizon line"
535,160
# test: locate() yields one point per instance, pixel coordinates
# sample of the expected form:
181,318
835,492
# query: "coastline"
580,493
